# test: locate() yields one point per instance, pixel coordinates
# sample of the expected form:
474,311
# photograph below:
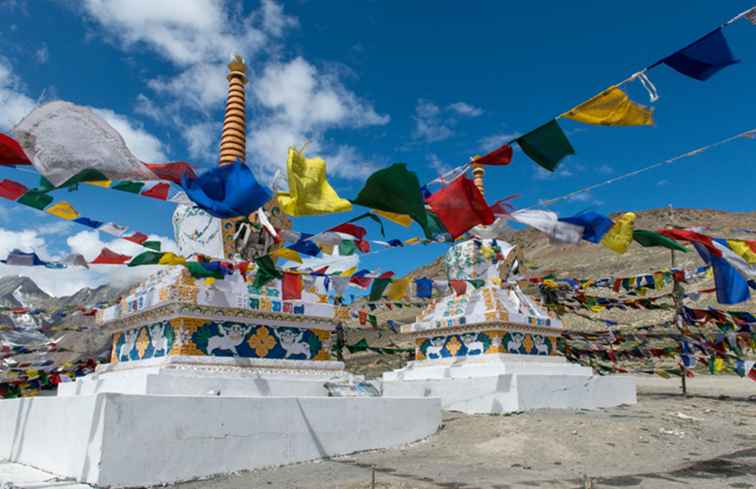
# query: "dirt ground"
707,440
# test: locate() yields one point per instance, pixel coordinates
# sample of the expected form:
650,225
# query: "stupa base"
127,440
502,383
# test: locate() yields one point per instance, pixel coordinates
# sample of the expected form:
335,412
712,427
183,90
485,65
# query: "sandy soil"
707,440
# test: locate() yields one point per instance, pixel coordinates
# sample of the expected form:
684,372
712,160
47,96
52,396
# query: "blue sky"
372,83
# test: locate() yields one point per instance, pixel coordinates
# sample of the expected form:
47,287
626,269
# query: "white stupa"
492,349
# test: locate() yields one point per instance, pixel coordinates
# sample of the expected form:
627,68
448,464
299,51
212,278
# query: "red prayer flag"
363,246
459,286
360,281
292,286
386,275
501,156
11,190
137,238
460,206
109,257
11,153
691,236
159,191
172,171
351,229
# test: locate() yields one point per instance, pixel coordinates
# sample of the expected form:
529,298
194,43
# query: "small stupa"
210,376
491,348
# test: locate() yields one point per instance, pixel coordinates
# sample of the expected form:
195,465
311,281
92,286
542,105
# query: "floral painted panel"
479,343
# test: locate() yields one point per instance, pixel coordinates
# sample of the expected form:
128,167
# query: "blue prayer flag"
703,58
226,191
595,226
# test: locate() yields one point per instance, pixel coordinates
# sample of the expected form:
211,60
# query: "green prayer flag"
477,283
436,227
88,175
128,186
266,271
376,290
395,189
35,198
361,345
347,247
198,271
146,258
370,215
651,238
153,245
373,320
546,145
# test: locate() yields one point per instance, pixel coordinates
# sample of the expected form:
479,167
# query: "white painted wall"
124,440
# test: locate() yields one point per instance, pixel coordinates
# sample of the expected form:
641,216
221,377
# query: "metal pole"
678,292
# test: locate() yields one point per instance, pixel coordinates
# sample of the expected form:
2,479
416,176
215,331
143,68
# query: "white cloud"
463,108
15,104
202,140
437,164
429,123
490,143
299,104
144,145
42,54
662,183
605,169
563,171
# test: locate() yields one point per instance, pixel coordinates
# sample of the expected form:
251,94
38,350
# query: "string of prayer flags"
594,225
548,223
460,206
309,191
424,287
619,237
395,189
612,107
547,145
11,153
648,239
703,58
498,157
227,191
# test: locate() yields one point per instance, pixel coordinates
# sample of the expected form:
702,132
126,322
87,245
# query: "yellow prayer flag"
620,236
612,107
169,258
659,280
398,289
286,253
349,272
309,191
719,365
743,250
209,281
100,183
63,210
412,240
401,219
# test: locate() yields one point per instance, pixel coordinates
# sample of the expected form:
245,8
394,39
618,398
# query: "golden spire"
478,171
233,145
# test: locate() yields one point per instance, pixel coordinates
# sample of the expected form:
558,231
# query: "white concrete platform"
17,476
124,440
502,383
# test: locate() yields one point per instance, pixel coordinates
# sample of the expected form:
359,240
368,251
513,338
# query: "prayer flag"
146,258
153,245
395,189
85,221
226,191
11,153
747,269
744,249
350,229
128,186
63,139
305,246
376,290
170,258
35,198
649,238
620,235
424,287
291,285
266,271
401,219
173,172
398,289
64,210
548,222
612,107
137,238
286,253
546,145
309,191
360,280
499,157
100,183
594,225
459,286
11,190
732,287
460,206
347,247
109,257
113,229
703,58
157,191
198,271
